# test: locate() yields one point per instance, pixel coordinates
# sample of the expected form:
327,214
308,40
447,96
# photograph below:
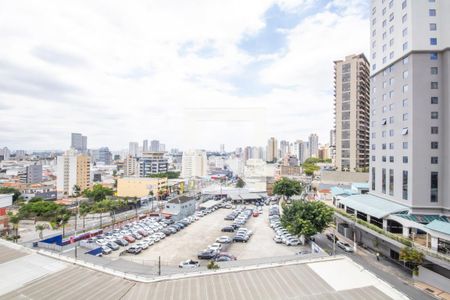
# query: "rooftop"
372,205
180,199
439,226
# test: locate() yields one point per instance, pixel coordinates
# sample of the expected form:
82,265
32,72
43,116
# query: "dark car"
113,246
228,229
223,258
240,238
166,231
134,250
207,254
172,229
121,242
235,226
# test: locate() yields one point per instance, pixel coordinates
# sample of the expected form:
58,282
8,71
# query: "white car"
149,241
215,247
344,246
245,230
143,245
293,242
189,264
224,239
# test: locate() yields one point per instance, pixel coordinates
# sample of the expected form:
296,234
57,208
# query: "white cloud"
115,72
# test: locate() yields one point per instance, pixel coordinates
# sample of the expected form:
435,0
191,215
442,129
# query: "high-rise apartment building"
410,104
5,153
284,149
34,174
79,142
154,146
152,163
352,112
194,164
131,166
313,145
272,150
133,149
104,155
301,151
72,169
145,146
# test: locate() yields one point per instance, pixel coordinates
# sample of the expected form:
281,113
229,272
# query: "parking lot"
197,236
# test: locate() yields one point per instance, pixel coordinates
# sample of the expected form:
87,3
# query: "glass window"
405,159
404,4
405,145
383,158
391,132
434,186
432,12
405,185
391,159
434,145
383,181
405,46
405,74
405,117
434,56
405,102
434,85
405,88
434,130
434,100
373,178
434,70
391,120
405,131
404,18
433,27
405,32
406,60
433,41
434,160
391,182
435,115
391,146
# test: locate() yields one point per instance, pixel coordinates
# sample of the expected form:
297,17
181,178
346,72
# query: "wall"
434,279
343,177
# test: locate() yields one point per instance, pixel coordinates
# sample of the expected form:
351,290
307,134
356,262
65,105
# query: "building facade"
133,149
272,150
410,104
352,112
79,142
140,187
153,163
194,164
72,169
313,145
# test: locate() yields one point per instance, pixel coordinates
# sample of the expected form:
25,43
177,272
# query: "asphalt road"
385,270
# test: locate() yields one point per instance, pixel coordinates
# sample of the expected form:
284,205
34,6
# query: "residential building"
352,112
154,146
79,142
34,174
179,208
222,148
152,163
72,169
194,164
5,154
133,149
284,149
131,166
324,152
272,150
145,146
140,187
313,145
104,155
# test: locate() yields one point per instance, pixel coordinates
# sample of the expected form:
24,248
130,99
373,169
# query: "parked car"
293,242
227,254
344,246
332,237
223,258
121,242
241,238
188,264
142,245
216,247
134,250
228,229
207,254
106,250
224,239
277,239
129,238
113,246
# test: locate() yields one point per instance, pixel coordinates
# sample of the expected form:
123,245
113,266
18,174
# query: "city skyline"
257,59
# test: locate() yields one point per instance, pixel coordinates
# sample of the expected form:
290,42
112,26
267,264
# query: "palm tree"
40,228
14,219
84,210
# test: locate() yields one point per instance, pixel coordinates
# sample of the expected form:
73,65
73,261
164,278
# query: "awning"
439,226
372,205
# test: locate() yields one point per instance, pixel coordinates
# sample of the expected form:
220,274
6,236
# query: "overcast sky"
191,73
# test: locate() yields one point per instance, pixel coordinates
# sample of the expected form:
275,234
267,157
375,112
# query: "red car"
129,239
255,214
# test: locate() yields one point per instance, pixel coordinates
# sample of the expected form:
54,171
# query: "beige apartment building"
84,172
352,112
72,169
140,187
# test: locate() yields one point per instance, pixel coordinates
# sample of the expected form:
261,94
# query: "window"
373,147
405,131
405,117
405,103
405,32
391,106
383,122
391,120
391,29
435,115
383,146
391,95
391,17
405,159
433,27
434,130
405,185
405,88
432,12
434,145
434,100
434,70
373,157
391,159
406,60
383,133
391,81
405,74
404,18
434,186
391,182
434,56
374,135
434,85
391,132
405,145
391,146
433,41
434,160
405,46
373,178
383,181
404,4
391,42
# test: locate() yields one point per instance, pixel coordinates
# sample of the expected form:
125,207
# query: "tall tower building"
194,164
133,149
314,145
79,142
154,146
72,169
272,150
145,146
410,104
352,112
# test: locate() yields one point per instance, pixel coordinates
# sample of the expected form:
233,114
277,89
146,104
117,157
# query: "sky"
193,74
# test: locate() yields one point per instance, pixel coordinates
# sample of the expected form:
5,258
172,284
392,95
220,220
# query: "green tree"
76,190
9,190
40,228
413,257
212,265
84,209
62,217
287,187
44,210
240,183
98,192
36,199
306,217
14,219
168,175
102,207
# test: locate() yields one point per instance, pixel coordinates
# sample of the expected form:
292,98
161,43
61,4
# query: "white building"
194,164
131,166
313,145
133,149
72,169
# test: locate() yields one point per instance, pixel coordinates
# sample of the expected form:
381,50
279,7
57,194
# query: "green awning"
372,205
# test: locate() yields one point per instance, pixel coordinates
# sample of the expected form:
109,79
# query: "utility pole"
334,238
159,265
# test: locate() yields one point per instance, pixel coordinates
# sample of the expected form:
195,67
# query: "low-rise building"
179,207
140,187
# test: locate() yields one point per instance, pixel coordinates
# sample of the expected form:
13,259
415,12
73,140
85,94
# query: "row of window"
434,159
434,183
405,146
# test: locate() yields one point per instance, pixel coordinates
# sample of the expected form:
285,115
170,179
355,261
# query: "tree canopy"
10,190
98,192
306,218
287,187
168,175
412,256
240,183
